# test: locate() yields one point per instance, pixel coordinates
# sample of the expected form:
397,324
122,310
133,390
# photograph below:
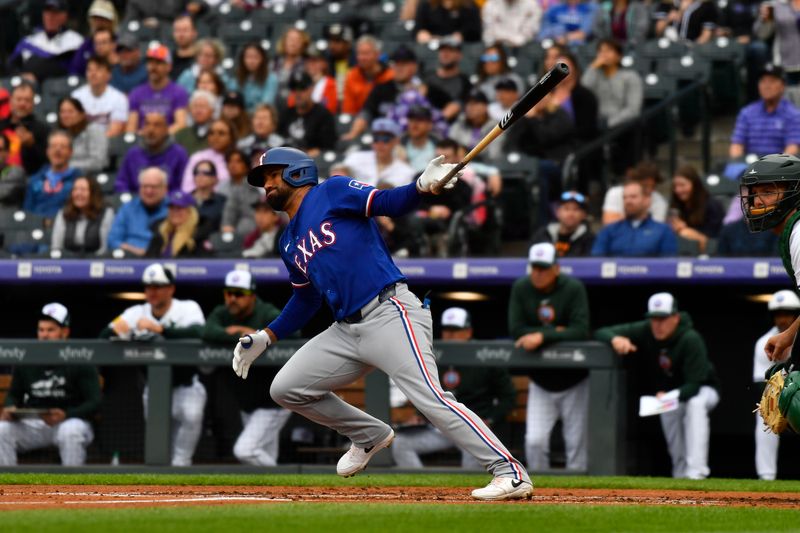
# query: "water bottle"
115,459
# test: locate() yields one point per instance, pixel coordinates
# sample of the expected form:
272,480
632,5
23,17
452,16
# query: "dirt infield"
115,496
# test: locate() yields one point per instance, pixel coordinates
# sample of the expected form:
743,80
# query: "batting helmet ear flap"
298,168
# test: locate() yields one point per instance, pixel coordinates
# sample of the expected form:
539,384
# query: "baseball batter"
333,250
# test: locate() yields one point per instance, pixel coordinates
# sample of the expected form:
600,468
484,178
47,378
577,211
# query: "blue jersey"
333,248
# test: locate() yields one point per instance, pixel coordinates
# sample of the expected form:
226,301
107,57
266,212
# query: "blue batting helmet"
299,168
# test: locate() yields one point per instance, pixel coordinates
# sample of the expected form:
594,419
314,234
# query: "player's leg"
766,451
540,416
697,431
573,410
188,405
73,436
304,384
672,425
22,435
409,445
397,338
258,443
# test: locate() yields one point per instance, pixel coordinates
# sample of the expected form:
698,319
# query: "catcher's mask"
770,191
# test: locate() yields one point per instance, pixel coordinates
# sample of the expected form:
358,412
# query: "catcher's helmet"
299,168
783,172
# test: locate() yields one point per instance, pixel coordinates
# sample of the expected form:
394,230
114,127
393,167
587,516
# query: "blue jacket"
560,19
132,224
621,239
46,201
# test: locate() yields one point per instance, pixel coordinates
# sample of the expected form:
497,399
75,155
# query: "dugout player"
163,316
784,306
242,314
333,251
671,356
67,395
770,194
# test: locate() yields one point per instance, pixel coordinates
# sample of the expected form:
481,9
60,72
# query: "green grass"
397,480
355,518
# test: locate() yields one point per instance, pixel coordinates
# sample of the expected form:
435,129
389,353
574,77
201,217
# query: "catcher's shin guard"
789,400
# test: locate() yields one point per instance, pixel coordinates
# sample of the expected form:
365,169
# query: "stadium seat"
657,87
237,34
718,185
686,68
117,148
225,244
402,32
27,242
531,54
107,181
19,220
659,49
143,34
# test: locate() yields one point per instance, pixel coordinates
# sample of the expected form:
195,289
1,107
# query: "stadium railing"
606,396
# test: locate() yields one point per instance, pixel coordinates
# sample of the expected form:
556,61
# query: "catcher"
770,195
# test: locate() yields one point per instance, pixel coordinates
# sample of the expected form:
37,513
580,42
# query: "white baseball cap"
661,304
239,279
103,9
158,274
456,317
542,254
56,312
784,300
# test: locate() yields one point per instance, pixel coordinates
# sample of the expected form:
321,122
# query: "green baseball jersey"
74,389
679,362
560,315
785,246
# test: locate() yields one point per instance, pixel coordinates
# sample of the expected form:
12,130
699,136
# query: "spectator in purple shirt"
157,150
770,125
160,94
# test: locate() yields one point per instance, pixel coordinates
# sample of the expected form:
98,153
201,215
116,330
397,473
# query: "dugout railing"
606,431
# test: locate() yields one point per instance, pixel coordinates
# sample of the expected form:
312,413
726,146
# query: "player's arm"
303,304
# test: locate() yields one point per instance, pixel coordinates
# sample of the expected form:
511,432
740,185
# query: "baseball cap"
770,69
419,112
127,41
476,95
661,304
103,9
386,125
180,199
456,318
240,279
56,312
158,274
312,52
784,300
542,254
506,84
404,53
159,52
573,196
233,98
338,32
450,42
300,80
57,5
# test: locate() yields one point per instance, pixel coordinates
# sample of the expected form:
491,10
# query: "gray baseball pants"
396,338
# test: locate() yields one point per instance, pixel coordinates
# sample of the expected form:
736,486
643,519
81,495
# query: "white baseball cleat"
504,488
356,459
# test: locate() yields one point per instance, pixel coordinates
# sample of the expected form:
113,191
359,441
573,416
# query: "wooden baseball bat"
534,95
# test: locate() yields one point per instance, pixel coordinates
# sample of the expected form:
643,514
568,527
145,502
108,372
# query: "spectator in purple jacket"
159,94
157,149
47,53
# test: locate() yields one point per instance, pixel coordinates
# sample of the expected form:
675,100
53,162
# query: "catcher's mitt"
768,406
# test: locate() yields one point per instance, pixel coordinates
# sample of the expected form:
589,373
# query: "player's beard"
278,198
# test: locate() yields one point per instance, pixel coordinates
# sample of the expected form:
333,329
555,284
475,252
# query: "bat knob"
247,343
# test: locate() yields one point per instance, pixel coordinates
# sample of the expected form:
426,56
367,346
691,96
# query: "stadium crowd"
109,95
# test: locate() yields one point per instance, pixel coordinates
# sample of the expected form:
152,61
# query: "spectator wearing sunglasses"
380,166
209,203
569,22
492,68
244,313
221,141
570,235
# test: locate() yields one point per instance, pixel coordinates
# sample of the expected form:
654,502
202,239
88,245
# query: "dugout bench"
606,396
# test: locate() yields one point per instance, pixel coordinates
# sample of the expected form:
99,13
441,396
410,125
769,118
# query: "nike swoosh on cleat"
367,450
516,484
